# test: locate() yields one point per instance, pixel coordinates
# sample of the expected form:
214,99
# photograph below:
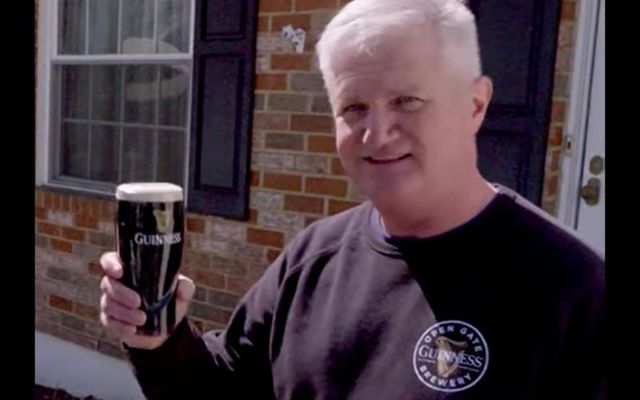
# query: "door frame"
576,124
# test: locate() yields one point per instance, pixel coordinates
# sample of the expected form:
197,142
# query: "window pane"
137,156
171,156
103,164
73,150
103,26
141,93
75,91
72,23
174,92
173,28
106,88
137,26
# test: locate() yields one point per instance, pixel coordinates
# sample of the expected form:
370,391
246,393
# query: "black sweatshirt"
507,306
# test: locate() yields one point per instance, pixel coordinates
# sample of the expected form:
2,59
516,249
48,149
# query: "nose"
380,129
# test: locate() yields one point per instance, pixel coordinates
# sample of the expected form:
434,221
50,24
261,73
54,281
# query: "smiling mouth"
385,160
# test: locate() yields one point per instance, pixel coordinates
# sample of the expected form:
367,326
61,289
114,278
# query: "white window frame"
47,44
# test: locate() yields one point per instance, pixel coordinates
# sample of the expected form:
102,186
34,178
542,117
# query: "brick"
61,218
107,227
195,259
263,24
73,234
253,216
48,229
225,230
60,303
555,160
72,322
85,311
259,102
320,104
273,43
271,82
558,111
555,136
306,204
85,221
238,285
561,85
291,62
61,245
272,255
41,241
59,274
248,252
110,349
272,161
551,185
288,102
326,186
337,168
312,123
270,121
274,180
255,178
313,164
195,225
307,82
310,220
223,299
565,34
74,337
206,312
40,213
564,60
568,12
337,206
281,220
108,210
549,206
208,245
298,21
94,269
102,240
284,141
307,5
266,200
64,202
48,199
39,198
201,294
265,237
275,6
210,279
87,251
321,144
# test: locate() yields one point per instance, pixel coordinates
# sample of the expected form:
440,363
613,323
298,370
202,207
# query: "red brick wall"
296,179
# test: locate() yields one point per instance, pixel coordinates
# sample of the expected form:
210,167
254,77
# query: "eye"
407,103
354,111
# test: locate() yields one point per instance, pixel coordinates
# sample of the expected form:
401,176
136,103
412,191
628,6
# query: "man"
441,286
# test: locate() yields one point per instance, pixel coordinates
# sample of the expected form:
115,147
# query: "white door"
591,215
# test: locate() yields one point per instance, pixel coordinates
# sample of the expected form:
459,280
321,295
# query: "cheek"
346,142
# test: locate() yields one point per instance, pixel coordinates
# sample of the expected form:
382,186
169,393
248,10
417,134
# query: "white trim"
121,58
47,12
187,142
82,372
576,123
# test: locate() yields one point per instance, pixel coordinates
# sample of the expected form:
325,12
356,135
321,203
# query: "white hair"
363,22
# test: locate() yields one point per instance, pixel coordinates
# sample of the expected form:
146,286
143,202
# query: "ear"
482,90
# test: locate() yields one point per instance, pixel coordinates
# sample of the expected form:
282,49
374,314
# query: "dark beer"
150,230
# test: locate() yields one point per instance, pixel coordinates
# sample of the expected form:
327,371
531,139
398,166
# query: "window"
153,90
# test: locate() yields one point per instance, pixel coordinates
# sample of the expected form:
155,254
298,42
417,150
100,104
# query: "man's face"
405,126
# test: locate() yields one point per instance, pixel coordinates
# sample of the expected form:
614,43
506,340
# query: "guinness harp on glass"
150,231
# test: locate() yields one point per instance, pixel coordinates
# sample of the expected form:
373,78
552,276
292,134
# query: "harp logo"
451,356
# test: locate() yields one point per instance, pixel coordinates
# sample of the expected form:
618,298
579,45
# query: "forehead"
393,62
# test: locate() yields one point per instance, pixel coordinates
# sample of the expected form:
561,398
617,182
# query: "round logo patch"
451,356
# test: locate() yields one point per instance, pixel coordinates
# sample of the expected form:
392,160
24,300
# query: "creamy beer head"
149,192
150,232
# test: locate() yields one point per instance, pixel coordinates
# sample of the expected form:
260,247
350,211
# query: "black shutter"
518,45
222,107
